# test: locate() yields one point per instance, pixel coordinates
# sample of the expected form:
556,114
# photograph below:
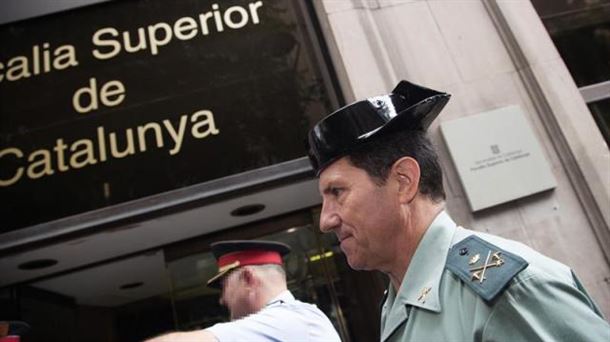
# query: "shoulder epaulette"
484,267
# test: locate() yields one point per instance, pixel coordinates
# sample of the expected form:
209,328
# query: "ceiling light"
320,256
249,209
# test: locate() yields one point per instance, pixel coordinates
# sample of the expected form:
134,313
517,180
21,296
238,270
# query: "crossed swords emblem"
478,272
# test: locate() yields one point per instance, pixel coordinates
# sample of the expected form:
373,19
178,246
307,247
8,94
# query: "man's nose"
329,219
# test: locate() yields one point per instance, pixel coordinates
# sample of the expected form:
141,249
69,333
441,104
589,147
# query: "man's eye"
336,191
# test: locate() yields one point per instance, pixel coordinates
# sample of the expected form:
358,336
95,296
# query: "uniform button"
463,251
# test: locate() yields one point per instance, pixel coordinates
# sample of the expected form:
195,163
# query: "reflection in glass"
317,272
103,303
309,275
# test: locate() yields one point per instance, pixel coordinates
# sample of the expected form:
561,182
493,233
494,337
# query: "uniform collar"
283,297
421,283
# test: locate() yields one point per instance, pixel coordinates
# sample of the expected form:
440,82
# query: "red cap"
236,253
11,338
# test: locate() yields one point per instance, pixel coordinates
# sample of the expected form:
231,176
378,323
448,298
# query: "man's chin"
357,265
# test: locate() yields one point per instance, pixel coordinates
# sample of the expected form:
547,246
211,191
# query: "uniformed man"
383,197
254,290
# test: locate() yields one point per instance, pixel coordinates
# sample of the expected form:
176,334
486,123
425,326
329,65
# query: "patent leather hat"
233,254
408,107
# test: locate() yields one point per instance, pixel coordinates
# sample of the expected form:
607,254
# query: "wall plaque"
497,156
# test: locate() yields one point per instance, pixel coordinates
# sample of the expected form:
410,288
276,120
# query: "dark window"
601,114
580,30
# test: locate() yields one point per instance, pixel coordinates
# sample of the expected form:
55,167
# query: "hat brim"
216,281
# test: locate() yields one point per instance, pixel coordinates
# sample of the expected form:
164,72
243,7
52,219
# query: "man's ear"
247,276
407,173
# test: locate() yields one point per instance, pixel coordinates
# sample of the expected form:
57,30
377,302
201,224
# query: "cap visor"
214,282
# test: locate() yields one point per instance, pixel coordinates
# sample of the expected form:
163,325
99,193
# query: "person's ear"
248,277
406,172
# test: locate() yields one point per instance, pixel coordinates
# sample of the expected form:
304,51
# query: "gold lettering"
116,46
128,149
142,131
207,122
176,136
43,164
87,152
16,152
69,56
17,68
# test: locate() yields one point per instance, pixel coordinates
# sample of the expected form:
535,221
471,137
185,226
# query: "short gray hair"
279,269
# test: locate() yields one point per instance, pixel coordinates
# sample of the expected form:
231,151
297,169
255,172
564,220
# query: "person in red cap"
253,283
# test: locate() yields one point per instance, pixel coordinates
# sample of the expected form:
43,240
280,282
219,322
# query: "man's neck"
416,225
269,293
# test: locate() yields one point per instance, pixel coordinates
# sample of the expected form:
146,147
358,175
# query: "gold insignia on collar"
422,296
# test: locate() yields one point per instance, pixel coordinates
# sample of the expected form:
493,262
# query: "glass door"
316,271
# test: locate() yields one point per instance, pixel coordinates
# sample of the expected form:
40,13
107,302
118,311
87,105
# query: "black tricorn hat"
408,107
236,253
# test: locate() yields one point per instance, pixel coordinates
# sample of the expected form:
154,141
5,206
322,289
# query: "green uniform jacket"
538,299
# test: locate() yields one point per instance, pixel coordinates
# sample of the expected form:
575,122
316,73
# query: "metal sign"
125,99
497,156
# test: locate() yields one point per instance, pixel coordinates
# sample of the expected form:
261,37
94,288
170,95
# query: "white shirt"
283,319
